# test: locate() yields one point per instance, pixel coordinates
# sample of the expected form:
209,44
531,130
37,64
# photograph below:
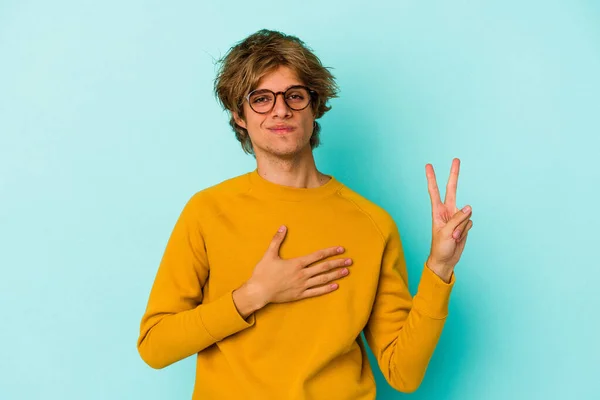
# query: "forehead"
279,79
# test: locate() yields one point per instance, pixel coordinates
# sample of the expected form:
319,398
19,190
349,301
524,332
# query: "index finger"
320,255
434,193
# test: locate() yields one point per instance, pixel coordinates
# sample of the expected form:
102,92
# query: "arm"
403,332
176,323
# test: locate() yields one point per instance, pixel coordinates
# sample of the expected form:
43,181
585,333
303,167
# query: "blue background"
108,124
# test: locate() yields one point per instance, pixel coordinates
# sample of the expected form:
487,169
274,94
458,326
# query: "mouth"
282,130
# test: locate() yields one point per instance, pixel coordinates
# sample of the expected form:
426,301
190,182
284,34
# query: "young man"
271,276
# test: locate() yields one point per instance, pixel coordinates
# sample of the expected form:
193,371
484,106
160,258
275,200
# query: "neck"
298,171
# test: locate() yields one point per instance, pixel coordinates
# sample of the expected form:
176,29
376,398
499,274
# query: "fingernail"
282,228
466,209
344,271
348,262
340,249
456,234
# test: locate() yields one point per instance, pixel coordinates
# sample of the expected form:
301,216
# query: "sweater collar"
264,188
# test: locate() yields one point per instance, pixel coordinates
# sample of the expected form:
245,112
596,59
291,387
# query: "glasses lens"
297,98
261,101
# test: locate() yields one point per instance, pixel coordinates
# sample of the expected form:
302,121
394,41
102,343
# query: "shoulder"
380,217
220,193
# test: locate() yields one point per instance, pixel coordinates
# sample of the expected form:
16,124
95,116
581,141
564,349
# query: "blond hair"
249,60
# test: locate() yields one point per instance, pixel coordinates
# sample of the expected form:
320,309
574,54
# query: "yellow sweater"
308,349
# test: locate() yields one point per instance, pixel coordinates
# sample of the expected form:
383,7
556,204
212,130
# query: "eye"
261,98
296,96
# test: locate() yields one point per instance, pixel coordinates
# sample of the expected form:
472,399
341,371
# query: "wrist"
248,298
443,271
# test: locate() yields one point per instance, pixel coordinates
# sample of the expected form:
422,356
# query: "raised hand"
275,280
450,226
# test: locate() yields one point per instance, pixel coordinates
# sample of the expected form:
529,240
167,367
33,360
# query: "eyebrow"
287,88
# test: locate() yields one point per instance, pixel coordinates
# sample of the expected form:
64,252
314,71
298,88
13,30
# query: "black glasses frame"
311,94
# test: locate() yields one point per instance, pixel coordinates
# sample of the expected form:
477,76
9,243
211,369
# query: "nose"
280,108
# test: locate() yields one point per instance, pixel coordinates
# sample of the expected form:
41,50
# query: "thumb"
273,249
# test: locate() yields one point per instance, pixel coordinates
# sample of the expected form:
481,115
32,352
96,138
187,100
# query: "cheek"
309,125
308,121
259,122
253,121
255,124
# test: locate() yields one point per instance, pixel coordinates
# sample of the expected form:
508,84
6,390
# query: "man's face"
282,132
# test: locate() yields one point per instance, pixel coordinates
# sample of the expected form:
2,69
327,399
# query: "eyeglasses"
297,98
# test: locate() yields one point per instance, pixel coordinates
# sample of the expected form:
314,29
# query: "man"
271,276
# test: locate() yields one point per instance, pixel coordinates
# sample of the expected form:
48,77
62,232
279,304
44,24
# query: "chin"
286,152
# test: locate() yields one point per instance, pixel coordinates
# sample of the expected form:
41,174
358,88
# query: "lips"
281,129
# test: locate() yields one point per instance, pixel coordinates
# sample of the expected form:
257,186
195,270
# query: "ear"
238,120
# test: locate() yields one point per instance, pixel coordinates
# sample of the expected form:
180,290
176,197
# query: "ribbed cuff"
221,318
433,294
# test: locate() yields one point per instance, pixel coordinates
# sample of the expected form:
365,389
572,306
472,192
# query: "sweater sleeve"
177,323
403,331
